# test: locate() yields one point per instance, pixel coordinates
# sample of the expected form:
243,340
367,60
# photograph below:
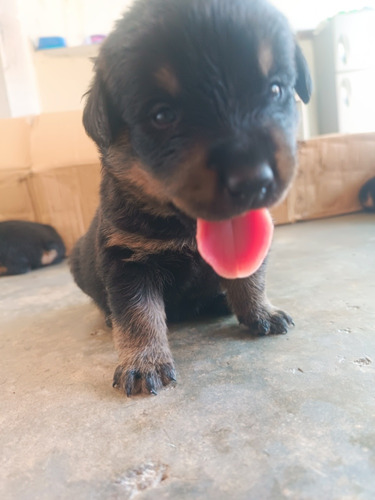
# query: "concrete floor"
251,418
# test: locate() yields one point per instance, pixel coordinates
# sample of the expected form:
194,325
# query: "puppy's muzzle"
246,177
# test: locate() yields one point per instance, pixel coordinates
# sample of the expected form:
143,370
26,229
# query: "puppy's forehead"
224,44
199,45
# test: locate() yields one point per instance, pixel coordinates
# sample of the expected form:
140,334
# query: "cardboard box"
15,197
332,169
59,140
15,165
65,174
15,144
50,172
66,198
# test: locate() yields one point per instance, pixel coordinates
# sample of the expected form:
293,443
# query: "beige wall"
63,77
16,67
307,14
4,104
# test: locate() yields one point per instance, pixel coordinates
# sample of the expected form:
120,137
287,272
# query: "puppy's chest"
139,238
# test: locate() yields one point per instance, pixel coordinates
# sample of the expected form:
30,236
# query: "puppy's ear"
97,114
303,85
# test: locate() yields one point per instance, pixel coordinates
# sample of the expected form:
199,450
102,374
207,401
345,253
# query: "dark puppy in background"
25,246
193,110
367,195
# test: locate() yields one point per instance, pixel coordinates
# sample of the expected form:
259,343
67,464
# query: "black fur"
192,101
24,245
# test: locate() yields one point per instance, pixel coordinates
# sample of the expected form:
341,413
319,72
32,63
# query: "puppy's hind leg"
248,300
83,268
139,329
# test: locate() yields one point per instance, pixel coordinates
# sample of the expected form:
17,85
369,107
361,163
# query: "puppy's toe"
269,321
280,322
135,381
259,327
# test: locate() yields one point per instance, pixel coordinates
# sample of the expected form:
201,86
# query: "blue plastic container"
51,42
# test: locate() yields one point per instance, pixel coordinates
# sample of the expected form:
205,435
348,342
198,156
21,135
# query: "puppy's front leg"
139,329
248,300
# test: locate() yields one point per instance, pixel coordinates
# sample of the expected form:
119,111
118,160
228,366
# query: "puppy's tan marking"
146,329
145,246
142,344
48,257
265,58
168,80
134,177
138,176
196,185
3,270
285,159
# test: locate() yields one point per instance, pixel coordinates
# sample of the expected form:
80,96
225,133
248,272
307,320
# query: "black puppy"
367,195
28,245
193,110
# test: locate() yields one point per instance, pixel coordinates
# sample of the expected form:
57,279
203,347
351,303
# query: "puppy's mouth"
234,226
229,196
236,248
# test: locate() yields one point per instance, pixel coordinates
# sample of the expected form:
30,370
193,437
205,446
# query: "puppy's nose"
243,171
252,183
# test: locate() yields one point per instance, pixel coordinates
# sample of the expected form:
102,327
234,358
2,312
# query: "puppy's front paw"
268,321
142,376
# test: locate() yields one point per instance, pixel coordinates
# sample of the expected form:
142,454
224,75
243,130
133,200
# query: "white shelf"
79,51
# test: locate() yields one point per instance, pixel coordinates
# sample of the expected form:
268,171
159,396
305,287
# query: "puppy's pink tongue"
236,248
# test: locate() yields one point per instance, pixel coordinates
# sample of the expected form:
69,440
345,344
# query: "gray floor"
251,418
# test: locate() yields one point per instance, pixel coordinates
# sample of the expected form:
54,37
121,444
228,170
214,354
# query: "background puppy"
367,195
28,245
193,110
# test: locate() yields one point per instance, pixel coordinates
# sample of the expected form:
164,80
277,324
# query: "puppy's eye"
163,116
276,91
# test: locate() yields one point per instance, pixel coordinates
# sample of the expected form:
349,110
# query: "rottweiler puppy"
193,110
25,246
367,195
